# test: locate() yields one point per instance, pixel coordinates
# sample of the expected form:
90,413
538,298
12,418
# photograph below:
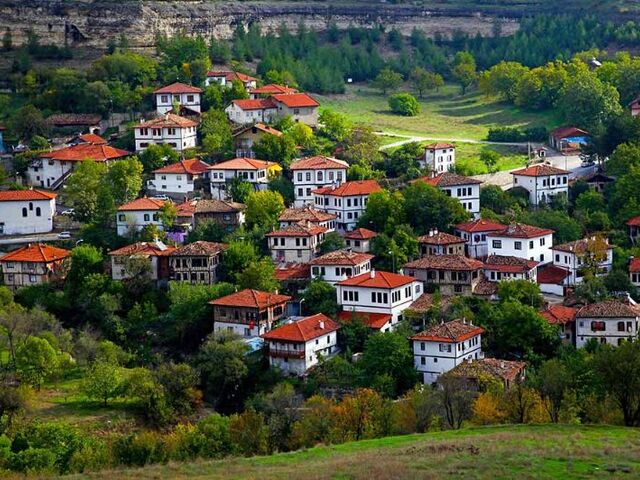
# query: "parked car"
160,197
64,235
69,211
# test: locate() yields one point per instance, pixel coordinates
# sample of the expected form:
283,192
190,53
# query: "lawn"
445,115
546,451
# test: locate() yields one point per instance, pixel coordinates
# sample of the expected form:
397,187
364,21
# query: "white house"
24,212
359,239
253,171
177,179
381,293
169,129
634,271
295,243
269,90
297,346
439,157
611,322
33,264
301,107
440,243
523,241
475,235
309,174
581,255
187,96
543,182
465,189
137,214
347,201
293,216
442,347
156,253
227,77
334,267
498,268
247,111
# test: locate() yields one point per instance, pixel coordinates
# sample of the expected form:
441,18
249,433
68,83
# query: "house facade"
33,265
588,255
348,201
451,274
250,170
178,179
137,214
169,129
334,267
440,243
610,322
634,271
312,173
523,241
359,239
568,139
498,268
464,189
442,347
248,313
181,93
301,107
226,213
543,182
564,318
246,111
297,346
24,212
155,253
295,243
475,234
439,157
633,225
246,137
227,77
294,216
196,262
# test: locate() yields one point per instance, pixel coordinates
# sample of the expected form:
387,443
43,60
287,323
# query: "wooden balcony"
286,353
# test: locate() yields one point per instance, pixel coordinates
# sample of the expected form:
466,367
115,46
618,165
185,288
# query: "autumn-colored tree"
354,415
487,409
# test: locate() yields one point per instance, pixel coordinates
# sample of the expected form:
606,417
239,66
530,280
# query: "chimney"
431,233
321,324
464,321
435,231
502,365
372,273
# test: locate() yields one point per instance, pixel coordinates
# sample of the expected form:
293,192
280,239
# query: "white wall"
572,262
325,346
47,172
440,160
538,248
610,335
137,219
305,181
238,115
175,183
164,101
437,358
348,209
467,195
38,218
178,138
541,189
336,273
294,249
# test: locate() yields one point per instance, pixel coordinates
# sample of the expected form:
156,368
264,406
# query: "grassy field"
524,452
445,115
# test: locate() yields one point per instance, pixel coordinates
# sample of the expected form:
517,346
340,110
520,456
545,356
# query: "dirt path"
410,138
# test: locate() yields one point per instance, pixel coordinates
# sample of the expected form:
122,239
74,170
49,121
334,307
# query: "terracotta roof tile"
305,214
193,166
251,299
259,126
168,120
520,230
634,222
25,195
480,225
199,248
543,170
319,162
272,89
348,189
634,265
218,206
439,146
146,249
293,271
342,257
506,370
297,230
178,87
303,330
140,204
485,288
378,279
92,138
445,262
375,321
559,314
609,309
448,179
254,104
86,151
579,246
360,234
509,264
296,100
231,76
564,132
242,163
439,238
552,274
425,301
38,253
450,332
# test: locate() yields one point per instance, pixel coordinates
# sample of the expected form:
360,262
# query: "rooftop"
521,230
634,265
254,104
231,76
178,87
140,204
450,332
297,230
564,132
199,248
243,163
251,299
509,264
168,120
425,301
293,271
506,370
296,100
480,225
360,234
609,309
193,166
258,126
342,257
86,151
439,238
218,206
542,170
319,162
583,245
378,279
272,89
347,189
552,274
439,146
38,253
375,321
446,262
305,214
143,249
559,314
25,195
448,179
303,330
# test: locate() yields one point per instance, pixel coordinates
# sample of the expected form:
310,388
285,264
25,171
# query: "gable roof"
634,222
319,162
251,299
303,330
305,214
542,170
168,120
577,246
254,104
480,225
86,151
342,257
178,87
193,166
564,132
448,179
439,146
450,332
25,195
297,230
272,89
521,230
425,301
552,274
559,314
218,206
360,234
143,249
242,163
377,279
634,265
92,138
446,262
37,253
231,76
439,238
609,309
375,321
295,100
509,264
347,189
293,271
140,204
259,126
506,370
199,248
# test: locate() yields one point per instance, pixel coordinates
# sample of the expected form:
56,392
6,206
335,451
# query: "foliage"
404,104
332,242
427,208
320,297
387,80
36,361
389,354
259,275
102,382
263,209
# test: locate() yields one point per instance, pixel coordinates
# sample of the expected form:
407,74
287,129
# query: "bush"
515,134
34,460
404,104
140,449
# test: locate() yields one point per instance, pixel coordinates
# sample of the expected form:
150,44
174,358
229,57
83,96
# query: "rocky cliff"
91,23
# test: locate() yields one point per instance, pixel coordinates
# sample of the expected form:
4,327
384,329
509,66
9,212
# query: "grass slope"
506,452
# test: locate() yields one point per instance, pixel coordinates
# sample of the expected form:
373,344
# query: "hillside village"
230,244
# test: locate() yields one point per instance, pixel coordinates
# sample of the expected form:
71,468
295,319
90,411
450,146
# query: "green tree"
553,380
362,146
490,158
167,215
424,81
334,125
320,297
85,260
217,139
426,208
332,241
102,382
83,189
28,122
523,291
384,211
284,187
464,70
124,180
496,199
624,157
387,80
404,104
263,209
501,80
156,156
36,361
587,102
389,354
275,149
259,275
240,189
238,255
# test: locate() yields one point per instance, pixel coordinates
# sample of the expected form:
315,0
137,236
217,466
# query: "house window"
517,245
189,98
422,346
33,279
24,212
38,212
423,361
497,244
146,217
598,326
621,326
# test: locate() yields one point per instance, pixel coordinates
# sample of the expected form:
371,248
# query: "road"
410,139
41,237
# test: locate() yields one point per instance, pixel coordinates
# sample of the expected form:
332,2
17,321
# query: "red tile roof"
446,262
193,166
552,274
218,206
38,253
256,104
634,265
347,189
295,100
140,204
564,132
360,234
178,87
425,301
634,222
448,179
450,332
303,330
539,171
509,264
439,238
259,126
579,246
485,288
520,230
168,120
186,209
86,151
251,299
506,370
199,248
25,195
272,89
439,146
293,271
92,138
305,214
242,163
144,249
342,257
609,309
559,314
480,225
297,230
319,162
377,279
231,76
375,321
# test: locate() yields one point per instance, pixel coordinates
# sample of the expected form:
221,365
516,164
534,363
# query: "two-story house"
244,138
524,241
474,374
439,157
293,216
442,347
169,129
137,214
498,268
185,95
226,213
227,77
543,182
564,318
123,260
611,322
301,107
312,173
336,266
33,264
269,90
347,201
24,212
380,294
634,229
589,255
475,235
178,179
250,111
297,346
253,171
248,313
196,262
451,274
464,189
359,239
440,243
295,243
634,271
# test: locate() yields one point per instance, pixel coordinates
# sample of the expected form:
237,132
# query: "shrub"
515,134
139,449
404,104
34,460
